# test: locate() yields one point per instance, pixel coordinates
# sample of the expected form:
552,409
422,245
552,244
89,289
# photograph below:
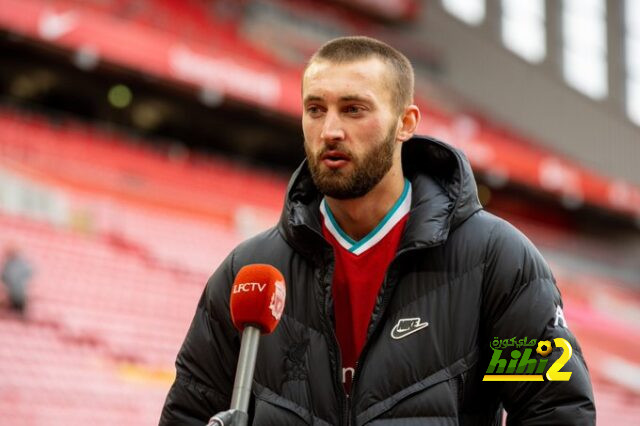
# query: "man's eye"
313,110
353,109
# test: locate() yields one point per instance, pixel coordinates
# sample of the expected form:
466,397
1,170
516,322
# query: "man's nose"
332,129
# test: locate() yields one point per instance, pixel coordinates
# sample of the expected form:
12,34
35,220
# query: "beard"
367,172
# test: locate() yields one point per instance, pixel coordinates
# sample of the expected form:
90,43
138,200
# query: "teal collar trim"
399,209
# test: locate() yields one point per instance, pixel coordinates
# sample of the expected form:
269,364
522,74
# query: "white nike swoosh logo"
406,327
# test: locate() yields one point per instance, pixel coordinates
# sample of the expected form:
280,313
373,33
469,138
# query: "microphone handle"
229,418
246,366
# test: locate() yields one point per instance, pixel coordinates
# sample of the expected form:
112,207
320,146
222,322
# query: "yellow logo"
521,367
544,347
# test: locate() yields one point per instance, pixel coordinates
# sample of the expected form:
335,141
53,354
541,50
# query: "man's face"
349,126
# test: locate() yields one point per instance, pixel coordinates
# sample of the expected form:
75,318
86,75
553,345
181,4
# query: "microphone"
257,298
257,301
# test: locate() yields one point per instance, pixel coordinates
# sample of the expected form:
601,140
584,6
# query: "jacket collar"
443,196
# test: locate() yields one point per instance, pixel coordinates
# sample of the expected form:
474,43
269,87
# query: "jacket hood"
444,195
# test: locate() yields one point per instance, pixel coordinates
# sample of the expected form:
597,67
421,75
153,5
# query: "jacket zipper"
329,330
356,374
386,295
344,399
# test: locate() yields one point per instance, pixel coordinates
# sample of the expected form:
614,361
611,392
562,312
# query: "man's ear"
409,122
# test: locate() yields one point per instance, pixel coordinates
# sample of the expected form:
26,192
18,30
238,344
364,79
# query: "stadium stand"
112,300
61,152
103,326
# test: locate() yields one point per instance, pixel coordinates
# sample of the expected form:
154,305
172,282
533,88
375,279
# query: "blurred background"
141,140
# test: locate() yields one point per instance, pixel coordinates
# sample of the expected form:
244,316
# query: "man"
15,275
397,279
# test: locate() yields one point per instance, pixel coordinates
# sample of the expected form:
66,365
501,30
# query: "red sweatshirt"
359,272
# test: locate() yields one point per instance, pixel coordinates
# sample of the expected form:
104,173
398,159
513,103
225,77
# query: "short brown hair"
354,48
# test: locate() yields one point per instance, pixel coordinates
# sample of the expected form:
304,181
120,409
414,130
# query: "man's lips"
334,159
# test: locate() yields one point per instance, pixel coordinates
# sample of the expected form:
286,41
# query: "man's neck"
358,216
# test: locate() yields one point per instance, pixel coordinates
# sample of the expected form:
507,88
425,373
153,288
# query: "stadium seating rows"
95,291
95,310
200,21
49,380
98,161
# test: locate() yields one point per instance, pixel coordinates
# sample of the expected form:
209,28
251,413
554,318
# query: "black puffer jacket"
469,274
